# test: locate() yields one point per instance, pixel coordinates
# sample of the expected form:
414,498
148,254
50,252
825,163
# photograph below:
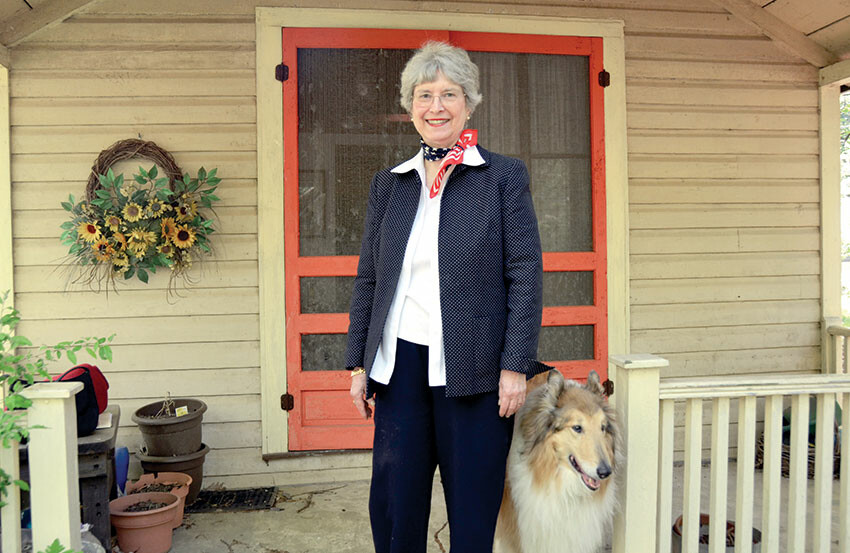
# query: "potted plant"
172,426
176,483
144,521
172,432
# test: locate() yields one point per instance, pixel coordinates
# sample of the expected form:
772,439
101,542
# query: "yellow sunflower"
156,208
166,249
113,222
120,241
90,232
132,212
120,263
169,227
139,236
184,237
138,249
102,250
187,208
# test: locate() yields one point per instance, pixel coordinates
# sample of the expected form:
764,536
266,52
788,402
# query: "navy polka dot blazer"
491,271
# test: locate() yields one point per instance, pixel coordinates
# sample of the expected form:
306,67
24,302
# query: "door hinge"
604,78
287,402
608,387
281,72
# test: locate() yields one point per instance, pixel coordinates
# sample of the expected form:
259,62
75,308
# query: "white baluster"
665,475
798,474
746,462
824,455
693,482
771,476
719,474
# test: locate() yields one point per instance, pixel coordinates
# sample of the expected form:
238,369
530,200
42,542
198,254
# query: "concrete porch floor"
323,518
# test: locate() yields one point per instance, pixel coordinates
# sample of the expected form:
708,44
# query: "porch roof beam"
22,26
781,32
838,73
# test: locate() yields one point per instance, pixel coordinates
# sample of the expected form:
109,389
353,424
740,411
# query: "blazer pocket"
490,336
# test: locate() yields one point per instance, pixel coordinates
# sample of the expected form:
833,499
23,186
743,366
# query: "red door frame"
323,416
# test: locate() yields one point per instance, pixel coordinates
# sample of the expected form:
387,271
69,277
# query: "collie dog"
559,489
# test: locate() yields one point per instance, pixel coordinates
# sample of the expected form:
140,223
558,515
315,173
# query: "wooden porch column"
636,387
54,474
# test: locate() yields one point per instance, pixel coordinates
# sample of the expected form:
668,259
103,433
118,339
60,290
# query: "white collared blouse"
415,314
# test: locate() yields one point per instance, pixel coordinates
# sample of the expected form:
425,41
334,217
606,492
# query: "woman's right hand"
358,395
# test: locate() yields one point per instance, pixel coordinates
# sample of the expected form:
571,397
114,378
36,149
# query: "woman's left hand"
511,392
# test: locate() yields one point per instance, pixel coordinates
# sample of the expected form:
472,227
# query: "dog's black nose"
603,470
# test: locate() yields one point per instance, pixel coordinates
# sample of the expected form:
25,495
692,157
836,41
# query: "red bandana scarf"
468,138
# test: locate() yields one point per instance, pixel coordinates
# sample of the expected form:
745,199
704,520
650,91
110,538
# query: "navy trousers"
418,428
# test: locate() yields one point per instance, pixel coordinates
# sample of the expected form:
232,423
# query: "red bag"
92,399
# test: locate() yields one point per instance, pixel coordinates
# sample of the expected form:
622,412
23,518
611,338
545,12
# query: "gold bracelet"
358,370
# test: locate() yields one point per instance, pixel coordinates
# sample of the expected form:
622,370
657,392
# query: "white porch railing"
646,407
52,457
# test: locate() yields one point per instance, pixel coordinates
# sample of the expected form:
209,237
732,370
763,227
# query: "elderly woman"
445,315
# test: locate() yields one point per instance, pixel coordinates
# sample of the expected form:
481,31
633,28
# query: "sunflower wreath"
130,229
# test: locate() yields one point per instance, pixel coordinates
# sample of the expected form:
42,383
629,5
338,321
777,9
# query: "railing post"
636,387
831,360
54,474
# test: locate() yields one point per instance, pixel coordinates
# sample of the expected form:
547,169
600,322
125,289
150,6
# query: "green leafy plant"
131,229
57,547
19,369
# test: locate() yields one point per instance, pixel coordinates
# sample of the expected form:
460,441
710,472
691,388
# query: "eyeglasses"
448,98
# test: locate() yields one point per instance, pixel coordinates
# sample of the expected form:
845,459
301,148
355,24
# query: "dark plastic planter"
171,435
191,464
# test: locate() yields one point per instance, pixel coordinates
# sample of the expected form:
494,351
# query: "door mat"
209,501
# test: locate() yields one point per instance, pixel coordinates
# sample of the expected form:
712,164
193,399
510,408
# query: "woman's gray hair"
438,57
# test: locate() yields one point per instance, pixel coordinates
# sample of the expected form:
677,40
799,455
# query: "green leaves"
57,547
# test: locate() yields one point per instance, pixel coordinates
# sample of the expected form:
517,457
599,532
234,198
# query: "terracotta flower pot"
173,435
191,464
146,531
181,490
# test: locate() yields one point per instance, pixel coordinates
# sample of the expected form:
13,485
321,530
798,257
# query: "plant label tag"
181,411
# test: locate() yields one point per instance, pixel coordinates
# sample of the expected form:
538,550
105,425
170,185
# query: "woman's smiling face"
439,111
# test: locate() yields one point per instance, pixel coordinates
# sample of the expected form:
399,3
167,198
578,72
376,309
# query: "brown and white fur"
560,493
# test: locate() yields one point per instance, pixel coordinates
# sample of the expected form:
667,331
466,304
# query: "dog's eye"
578,429
604,428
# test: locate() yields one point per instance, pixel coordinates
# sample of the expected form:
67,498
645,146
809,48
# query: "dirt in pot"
143,506
157,487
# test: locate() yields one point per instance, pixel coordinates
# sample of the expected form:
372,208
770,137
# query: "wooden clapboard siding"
655,191
150,110
724,289
723,185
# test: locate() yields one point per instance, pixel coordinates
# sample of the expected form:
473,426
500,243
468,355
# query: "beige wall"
723,169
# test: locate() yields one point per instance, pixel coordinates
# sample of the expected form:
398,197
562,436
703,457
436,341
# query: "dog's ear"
593,385
555,380
540,411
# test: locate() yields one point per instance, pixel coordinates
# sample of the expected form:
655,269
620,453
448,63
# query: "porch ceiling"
818,32
826,22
